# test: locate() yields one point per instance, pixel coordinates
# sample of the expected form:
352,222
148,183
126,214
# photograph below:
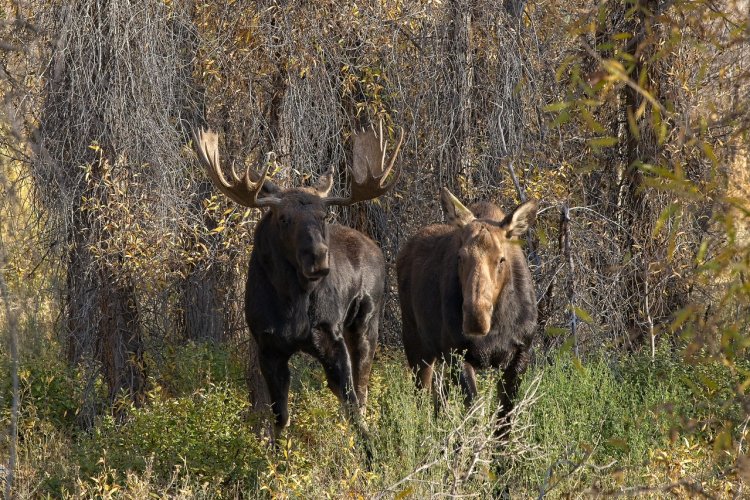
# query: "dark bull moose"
465,289
311,286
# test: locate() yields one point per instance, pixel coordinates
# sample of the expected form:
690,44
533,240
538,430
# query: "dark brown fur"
490,294
317,288
311,286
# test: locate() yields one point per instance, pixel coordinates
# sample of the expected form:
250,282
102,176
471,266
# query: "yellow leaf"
603,142
555,107
404,493
583,315
554,331
577,364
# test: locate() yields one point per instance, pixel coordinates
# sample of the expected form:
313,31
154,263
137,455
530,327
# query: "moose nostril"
321,259
317,273
474,324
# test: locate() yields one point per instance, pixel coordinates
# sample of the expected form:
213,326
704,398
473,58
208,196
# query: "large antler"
241,190
368,171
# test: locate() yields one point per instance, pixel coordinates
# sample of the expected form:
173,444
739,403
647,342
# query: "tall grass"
599,425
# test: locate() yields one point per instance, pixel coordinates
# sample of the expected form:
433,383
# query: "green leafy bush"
593,423
204,433
604,417
48,391
188,367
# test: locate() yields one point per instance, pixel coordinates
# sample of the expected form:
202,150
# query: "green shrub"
49,391
402,418
594,423
322,455
602,416
186,368
204,433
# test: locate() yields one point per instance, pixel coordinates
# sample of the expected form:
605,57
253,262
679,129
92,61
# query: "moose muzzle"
477,318
315,265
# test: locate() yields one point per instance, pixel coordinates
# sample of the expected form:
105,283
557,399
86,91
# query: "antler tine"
241,190
368,177
388,169
236,177
383,146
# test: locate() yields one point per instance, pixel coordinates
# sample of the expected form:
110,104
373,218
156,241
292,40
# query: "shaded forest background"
628,121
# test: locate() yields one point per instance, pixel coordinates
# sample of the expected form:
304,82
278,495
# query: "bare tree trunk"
565,248
119,343
80,293
107,117
514,7
277,137
461,72
103,322
200,312
201,317
635,209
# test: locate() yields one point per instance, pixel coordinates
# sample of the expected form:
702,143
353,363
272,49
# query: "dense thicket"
628,121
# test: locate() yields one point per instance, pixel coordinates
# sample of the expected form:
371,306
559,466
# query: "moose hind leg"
334,356
421,359
275,369
361,342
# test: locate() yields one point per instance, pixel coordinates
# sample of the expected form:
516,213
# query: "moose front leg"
275,369
468,380
508,387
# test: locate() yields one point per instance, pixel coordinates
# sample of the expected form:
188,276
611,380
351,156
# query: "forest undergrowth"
620,425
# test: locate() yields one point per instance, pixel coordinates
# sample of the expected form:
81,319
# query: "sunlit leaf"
578,365
555,331
618,443
404,493
723,441
668,211
583,315
603,142
709,151
635,131
558,106
561,119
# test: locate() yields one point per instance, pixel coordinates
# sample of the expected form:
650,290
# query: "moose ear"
325,183
455,211
269,188
523,217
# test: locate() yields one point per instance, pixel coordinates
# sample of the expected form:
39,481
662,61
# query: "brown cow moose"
466,289
312,286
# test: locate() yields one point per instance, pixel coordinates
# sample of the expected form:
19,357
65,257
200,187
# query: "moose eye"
500,262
